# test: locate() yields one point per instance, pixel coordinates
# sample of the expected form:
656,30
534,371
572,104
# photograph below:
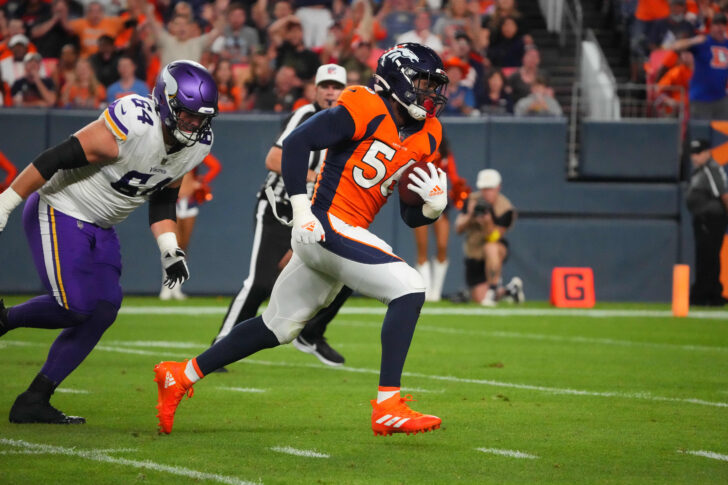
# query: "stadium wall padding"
617,149
630,233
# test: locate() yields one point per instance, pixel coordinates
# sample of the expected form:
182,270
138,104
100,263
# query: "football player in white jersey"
138,150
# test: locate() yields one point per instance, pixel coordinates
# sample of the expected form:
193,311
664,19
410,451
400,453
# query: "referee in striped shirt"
272,240
707,201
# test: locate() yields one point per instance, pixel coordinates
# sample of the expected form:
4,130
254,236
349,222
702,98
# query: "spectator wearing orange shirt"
646,29
84,91
674,85
230,96
94,25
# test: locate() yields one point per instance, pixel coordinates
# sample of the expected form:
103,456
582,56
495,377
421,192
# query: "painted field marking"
305,453
706,454
538,336
72,391
486,382
165,344
510,453
495,312
418,389
96,455
242,389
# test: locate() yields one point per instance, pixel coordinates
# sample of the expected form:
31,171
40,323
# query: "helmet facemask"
184,131
425,98
190,90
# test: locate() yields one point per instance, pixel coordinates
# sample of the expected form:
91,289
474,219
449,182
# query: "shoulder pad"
363,104
130,115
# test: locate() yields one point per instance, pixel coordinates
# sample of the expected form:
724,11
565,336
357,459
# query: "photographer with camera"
484,220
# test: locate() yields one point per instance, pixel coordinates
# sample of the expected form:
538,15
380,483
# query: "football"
405,194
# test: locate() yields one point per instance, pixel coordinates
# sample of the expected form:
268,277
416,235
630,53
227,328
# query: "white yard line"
418,389
97,455
166,344
493,312
543,337
252,390
305,453
510,453
706,454
485,382
72,391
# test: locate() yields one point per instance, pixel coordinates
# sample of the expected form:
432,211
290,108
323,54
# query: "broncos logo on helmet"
413,75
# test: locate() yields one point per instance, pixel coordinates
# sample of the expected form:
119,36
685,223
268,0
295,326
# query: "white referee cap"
331,72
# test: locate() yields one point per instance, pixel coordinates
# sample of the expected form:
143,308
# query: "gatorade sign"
572,288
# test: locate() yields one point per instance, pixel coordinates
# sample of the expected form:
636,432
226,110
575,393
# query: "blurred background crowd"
264,53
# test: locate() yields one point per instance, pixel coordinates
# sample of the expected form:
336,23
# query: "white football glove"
173,260
9,200
431,187
307,229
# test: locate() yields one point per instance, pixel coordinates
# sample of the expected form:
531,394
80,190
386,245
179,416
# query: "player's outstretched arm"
92,144
325,129
163,224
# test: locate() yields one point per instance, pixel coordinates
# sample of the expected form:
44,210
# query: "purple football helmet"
399,68
185,86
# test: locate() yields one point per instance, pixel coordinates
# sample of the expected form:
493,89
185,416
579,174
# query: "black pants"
271,241
709,231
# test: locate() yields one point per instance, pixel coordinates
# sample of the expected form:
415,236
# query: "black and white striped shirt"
707,184
275,180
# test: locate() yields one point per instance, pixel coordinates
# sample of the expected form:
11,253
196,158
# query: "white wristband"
9,200
300,204
167,242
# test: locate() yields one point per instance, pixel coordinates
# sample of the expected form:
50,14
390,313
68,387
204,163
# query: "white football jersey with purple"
105,194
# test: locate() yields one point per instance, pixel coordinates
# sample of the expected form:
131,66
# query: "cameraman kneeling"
485,218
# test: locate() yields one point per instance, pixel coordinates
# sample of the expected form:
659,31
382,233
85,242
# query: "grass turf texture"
626,434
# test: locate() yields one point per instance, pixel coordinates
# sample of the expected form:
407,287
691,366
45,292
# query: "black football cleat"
32,407
3,319
321,349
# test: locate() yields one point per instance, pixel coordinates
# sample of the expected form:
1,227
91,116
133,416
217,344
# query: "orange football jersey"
358,176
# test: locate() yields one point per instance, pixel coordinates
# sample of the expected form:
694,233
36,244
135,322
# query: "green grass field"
628,395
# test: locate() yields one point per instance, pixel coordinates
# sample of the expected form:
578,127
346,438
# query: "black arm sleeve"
413,216
163,205
323,130
65,155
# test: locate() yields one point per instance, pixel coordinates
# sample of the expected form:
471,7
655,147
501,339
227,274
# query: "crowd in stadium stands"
263,53
679,48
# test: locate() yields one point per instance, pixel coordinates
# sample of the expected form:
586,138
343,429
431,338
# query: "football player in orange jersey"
371,136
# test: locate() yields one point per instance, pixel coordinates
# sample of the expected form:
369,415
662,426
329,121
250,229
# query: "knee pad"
285,330
105,314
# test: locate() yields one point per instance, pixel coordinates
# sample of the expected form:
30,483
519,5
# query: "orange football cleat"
172,385
394,416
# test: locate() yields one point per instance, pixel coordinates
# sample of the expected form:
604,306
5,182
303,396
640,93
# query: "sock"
73,344
424,271
243,340
42,312
192,371
397,330
385,393
439,270
42,386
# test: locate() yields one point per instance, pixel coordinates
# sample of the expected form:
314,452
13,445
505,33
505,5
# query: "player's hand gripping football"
175,267
307,229
432,187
